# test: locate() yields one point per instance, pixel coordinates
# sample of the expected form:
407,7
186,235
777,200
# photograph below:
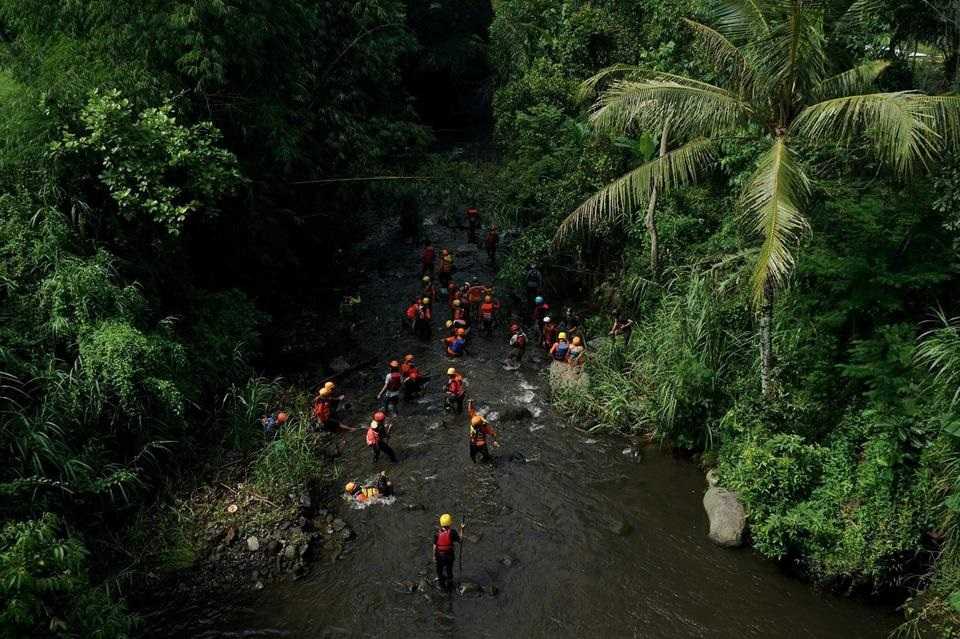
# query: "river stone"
346,534
515,414
339,524
713,478
253,544
470,588
728,519
290,552
273,547
230,536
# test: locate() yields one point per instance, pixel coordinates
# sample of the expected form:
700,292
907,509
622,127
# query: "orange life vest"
321,410
487,309
373,437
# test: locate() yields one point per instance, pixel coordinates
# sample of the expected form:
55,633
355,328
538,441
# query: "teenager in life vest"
323,411
427,258
410,315
413,379
475,297
577,351
334,399
454,391
560,351
481,436
443,550
622,326
382,488
390,393
488,310
490,243
518,344
473,223
429,288
423,326
549,333
445,268
459,315
272,423
377,434
456,344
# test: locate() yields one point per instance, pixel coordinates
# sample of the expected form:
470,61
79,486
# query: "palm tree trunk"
650,220
767,382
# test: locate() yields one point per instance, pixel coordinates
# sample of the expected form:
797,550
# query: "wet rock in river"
621,528
407,587
273,547
253,544
230,535
515,414
728,520
713,477
290,552
507,560
347,534
470,589
339,524
340,364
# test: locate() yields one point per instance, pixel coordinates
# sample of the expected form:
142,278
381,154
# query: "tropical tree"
775,85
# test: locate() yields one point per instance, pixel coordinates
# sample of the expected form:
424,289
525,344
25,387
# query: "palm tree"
776,86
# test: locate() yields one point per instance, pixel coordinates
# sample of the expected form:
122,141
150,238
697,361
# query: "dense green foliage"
849,467
148,231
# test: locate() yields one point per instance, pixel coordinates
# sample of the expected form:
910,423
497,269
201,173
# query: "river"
579,539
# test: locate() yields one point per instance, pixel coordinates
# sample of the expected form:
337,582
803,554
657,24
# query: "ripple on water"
526,397
535,427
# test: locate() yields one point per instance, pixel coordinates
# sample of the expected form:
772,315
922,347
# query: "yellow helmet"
446,520
449,323
562,336
447,258
350,487
456,302
426,278
426,300
476,420
325,392
451,371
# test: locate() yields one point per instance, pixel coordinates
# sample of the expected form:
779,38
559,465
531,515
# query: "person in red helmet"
413,379
423,324
518,344
427,257
473,223
459,316
390,393
475,294
488,311
377,434
454,391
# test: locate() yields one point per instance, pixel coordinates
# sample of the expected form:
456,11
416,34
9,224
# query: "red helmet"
379,416
546,306
461,332
282,417
514,328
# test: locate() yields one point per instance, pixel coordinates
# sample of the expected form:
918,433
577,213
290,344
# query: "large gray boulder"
728,520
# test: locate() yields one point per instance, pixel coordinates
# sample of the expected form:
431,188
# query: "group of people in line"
470,305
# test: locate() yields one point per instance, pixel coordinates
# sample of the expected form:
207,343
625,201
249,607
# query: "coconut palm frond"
900,124
740,20
694,110
857,12
771,201
588,87
852,81
727,58
679,167
945,110
793,58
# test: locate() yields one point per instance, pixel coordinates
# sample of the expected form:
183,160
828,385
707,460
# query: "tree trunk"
650,220
767,381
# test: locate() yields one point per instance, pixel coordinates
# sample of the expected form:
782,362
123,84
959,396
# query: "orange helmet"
325,392
461,332
379,416
408,358
476,420
487,299
456,302
282,417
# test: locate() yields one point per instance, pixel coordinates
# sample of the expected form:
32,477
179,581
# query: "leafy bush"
289,462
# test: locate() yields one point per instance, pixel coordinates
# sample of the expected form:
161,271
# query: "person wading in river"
454,391
473,223
390,393
480,431
423,322
413,379
443,550
488,310
518,342
377,435
427,257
